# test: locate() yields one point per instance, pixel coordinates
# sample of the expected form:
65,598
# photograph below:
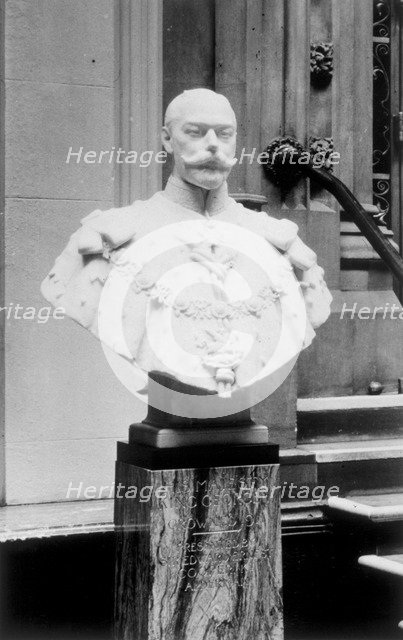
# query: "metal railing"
364,221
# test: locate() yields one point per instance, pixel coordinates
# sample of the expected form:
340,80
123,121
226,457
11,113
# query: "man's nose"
211,140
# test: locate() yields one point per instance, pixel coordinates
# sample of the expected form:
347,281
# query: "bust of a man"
190,282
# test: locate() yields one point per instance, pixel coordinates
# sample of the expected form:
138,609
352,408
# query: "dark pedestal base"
197,457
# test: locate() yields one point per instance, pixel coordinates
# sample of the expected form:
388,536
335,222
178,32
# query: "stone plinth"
198,550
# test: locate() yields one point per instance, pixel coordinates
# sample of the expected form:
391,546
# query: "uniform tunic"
198,304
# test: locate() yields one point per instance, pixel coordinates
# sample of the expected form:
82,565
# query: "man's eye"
225,134
194,132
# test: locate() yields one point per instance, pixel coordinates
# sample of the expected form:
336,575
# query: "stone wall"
64,407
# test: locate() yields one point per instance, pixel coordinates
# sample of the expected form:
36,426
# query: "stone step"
359,467
29,521
358,417
392,564
384,507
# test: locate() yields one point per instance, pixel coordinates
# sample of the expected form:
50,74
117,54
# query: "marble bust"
201,277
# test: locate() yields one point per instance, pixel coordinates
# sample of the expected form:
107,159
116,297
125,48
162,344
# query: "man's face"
202,139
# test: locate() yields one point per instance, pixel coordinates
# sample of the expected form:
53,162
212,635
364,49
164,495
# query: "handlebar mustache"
216,161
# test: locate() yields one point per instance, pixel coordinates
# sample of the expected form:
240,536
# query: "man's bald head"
195,100
200,132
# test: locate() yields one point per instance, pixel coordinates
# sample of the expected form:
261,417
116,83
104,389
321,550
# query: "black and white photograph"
201,319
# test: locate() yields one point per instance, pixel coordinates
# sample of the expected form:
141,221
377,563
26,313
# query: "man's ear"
166,139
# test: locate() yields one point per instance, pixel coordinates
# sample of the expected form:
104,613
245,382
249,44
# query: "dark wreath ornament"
321,63
281,166
321,149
